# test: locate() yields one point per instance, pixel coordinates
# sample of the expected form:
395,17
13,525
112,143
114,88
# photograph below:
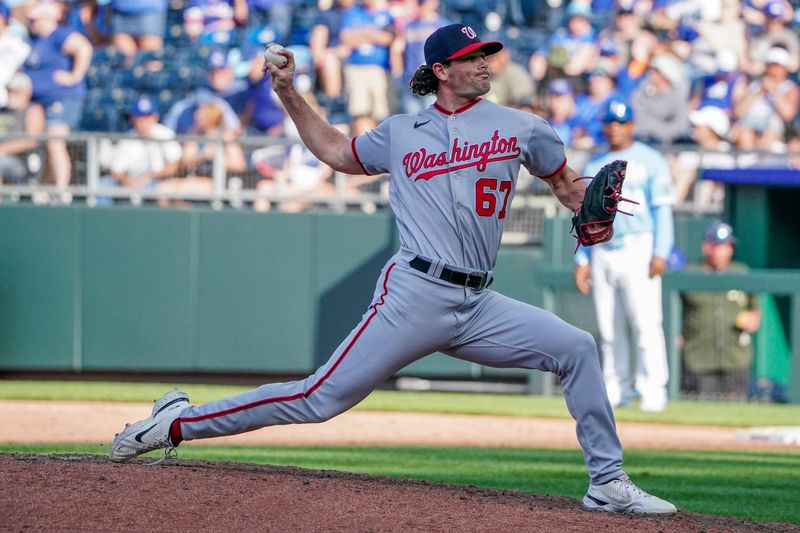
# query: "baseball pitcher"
453,171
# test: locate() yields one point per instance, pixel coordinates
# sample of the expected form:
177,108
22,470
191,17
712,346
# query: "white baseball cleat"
622,496
152,433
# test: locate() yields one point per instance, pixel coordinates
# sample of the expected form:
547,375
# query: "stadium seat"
175,36
142,58
100,118
152,82
97,75
125,97
302,21
175,11
166,98
110,56
106,67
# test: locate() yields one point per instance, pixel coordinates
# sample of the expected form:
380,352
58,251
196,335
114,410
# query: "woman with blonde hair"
199,155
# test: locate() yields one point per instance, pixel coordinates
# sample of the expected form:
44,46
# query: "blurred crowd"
720,75
714,80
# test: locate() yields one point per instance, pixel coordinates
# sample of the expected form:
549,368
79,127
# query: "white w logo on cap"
469,32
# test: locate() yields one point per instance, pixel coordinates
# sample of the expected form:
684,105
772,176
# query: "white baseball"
271,55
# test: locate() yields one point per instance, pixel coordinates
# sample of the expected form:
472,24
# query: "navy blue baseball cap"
774,9
454,41
720,233
559,86
217,59
608,47
144,107
618,111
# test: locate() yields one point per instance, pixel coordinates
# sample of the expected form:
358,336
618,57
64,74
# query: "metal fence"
265,173
275,173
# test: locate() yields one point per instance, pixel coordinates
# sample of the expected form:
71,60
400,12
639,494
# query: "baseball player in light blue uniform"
626,272
453,170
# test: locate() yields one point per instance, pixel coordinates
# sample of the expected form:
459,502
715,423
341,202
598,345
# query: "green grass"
750,485
762,486
679,412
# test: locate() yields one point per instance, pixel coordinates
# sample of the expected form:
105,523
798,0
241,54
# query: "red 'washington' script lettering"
468,155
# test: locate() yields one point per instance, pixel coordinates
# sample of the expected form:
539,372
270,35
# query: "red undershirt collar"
461,109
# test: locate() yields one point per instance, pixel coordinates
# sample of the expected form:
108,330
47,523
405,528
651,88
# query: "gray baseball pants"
412,315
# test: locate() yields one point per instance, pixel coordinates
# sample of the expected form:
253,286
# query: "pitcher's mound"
89,493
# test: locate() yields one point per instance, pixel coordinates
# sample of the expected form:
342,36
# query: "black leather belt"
477,280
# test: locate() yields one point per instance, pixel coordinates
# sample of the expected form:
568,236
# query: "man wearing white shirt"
152,155
13,51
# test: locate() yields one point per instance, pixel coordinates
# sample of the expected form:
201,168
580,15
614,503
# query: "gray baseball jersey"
452,181
453,175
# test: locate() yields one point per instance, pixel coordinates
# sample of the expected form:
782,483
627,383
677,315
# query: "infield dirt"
88,493
97,422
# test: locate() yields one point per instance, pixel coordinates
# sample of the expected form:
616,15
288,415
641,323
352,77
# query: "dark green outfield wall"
205,291
173,290
195,290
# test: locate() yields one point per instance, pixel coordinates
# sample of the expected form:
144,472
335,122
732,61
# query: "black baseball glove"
593,223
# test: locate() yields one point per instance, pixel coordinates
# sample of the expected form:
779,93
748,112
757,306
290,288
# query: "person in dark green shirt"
717,326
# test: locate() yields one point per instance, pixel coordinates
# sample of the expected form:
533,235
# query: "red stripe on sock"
297,396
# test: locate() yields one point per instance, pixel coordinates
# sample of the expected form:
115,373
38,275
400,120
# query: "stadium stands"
625,36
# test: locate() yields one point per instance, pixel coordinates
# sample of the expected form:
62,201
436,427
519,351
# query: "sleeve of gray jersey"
545,156
373,149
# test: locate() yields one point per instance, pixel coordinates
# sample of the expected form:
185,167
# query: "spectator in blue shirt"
603,11
569,52
276,13
200,157
263,114
369,31
138,25
725,88
214,21
226,92
633,45
223,83
92,19
590,107
561,109
57,65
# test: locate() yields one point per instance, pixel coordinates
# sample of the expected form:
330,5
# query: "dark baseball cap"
559,86
144,107
217,59
618,111
454,41
720,233
774,9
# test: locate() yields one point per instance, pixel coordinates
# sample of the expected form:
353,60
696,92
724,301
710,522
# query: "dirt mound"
88,493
